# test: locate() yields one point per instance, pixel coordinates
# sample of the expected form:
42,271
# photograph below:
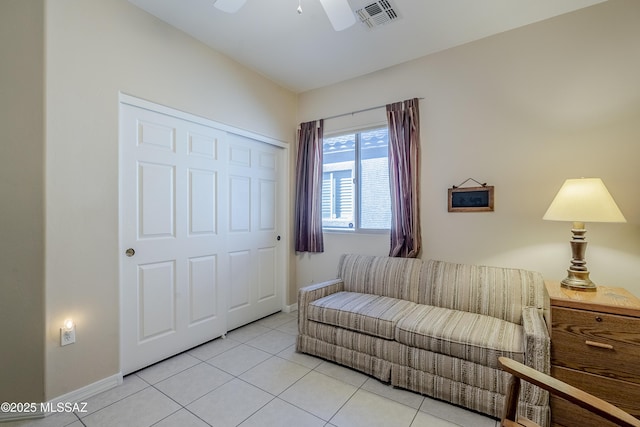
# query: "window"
355,181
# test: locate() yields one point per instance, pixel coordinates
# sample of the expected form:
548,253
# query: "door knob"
130,252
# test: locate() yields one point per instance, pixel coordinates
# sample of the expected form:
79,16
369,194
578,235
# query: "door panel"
203,145
267,286
156,203
267,205
240,155
156,290
239,204
202,202
156,136
240,283
202,288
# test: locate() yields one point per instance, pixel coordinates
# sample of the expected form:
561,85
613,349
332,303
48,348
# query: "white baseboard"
78,396
290,308
21,416
90,390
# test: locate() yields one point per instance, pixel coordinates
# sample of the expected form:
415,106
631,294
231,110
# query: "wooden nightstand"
595,346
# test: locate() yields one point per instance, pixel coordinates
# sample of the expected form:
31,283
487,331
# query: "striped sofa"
433,327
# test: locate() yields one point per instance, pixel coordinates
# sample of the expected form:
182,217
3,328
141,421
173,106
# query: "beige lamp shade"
584,200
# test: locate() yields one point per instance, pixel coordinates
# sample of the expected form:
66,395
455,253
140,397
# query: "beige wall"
21,201
96,48
522,111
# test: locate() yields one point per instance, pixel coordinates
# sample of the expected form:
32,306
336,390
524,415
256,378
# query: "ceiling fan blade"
229,6
339,13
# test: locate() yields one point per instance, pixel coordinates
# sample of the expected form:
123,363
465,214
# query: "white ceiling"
303,52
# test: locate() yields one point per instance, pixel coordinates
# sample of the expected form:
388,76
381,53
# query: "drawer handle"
599,345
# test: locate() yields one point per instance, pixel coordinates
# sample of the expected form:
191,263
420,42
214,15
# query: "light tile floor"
254,377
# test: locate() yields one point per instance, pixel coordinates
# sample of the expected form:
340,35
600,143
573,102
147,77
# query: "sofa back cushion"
492,291
380,275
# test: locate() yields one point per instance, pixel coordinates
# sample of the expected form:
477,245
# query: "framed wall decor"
471,199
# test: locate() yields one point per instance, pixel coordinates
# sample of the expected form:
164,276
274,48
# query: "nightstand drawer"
623,394
598,343
565,414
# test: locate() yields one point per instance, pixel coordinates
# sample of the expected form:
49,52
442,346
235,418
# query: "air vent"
377,13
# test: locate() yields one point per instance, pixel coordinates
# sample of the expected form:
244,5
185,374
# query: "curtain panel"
308,219
404,174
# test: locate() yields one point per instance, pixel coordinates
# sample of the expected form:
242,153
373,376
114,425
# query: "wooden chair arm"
563,390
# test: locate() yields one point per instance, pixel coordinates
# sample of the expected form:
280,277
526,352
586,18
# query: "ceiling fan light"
339,13
229,6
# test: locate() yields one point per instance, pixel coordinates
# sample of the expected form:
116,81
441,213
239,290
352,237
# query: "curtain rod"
357,111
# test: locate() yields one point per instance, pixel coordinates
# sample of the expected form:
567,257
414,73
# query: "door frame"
283,187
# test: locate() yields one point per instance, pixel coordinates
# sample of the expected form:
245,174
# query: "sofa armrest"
311,293
537,343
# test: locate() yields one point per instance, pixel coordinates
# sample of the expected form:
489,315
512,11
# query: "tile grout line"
274,397
294,405
289,386
233,376
360,387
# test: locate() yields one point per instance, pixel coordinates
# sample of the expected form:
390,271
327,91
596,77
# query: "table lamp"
582,200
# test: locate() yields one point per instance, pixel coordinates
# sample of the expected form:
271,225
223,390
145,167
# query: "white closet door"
255,249
173,236
201,217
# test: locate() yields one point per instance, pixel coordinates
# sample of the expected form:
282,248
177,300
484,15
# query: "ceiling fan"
338,11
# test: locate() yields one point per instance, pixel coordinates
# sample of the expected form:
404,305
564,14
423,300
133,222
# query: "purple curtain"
308,221
404,175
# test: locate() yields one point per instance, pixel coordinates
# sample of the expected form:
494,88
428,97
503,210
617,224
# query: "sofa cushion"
492,291
468,336
378,275
370,314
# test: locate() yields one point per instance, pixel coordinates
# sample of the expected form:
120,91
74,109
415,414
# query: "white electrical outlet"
67,335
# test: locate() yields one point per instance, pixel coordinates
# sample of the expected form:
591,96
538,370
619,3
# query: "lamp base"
578,281
578,275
